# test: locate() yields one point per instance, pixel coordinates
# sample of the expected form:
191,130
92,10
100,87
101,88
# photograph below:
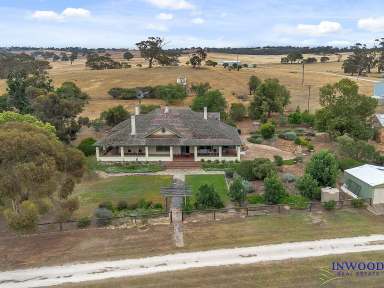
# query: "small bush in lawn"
358,203
86,146
103,217
267,130
278,160
83,222
229,173
107,205
158,206
256,199
329,205
122,205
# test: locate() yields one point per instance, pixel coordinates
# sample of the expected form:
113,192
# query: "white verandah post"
238,152
220,152
146,153
122,152
97,153
195,153
171,152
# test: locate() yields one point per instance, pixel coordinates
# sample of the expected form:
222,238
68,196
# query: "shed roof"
190,127
370,174
380,119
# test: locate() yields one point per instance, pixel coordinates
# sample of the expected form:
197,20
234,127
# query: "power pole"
302,78
309,96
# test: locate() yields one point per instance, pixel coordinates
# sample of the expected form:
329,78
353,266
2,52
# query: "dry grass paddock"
231,83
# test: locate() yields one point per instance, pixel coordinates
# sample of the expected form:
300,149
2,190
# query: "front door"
184,150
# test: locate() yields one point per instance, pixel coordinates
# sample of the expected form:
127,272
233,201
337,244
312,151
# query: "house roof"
190,128
380,119
370,174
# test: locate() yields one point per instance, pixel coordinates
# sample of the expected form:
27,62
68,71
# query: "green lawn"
218,181
128,188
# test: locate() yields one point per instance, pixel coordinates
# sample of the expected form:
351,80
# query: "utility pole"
309,96
302,78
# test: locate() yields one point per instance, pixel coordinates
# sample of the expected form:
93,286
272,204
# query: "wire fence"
206,215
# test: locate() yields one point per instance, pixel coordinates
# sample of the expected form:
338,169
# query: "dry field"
231,83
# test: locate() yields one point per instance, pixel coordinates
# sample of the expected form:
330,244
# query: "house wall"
366,191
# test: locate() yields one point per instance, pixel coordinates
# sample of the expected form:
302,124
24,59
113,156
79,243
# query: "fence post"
279,208
182,216
214,215
170,216
247,212
60,226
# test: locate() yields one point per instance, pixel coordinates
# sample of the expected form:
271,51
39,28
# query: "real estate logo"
343,269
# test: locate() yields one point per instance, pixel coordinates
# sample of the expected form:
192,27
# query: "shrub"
256,169
358,203
309,187
237,111
256,199
278,160
84,121
229,173
103,217
323,167
115,115
296,201
87,146
329,205
347,163
83,222
267,130
122,205
158,206
255,140
107,205
288,178
308,118
25,220
237,191
288,135
170,93
295,118
123,93
144,204
207,197
274,190
132,206
144,109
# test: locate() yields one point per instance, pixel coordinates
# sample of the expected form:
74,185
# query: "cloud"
49,15
372,24
339,43
325,27
75,12
164,16
198,20
157,27
172,4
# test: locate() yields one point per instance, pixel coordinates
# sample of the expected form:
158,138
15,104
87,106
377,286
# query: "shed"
378,92
366,182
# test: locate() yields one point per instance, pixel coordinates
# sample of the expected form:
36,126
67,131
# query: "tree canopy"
212,99
152,49
345,111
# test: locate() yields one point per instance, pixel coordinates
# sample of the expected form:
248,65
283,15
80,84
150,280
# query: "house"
230,62
378,125
168,134
366,182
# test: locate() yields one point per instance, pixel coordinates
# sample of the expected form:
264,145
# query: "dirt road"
74,273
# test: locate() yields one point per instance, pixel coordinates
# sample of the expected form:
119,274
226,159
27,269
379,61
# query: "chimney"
166,109
205,113
133,125
137,110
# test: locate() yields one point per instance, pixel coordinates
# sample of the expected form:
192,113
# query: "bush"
296,201
288,135
158,206
123,93
330,205
237,191
207,197
274,190
144,109
358,203
267,130
229,173
348,163
144,204
122,205
256,169
294,118
255,140
323,167
308,118
107,205
309,187
115,115
103,217
84,121
170,93
256,199
288,178
83,222
237,111
87,146
25,220
278,160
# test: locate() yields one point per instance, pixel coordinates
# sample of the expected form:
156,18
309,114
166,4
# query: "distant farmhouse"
366,182
230,63
169,134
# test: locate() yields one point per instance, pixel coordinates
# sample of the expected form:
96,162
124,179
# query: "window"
162,148
353,187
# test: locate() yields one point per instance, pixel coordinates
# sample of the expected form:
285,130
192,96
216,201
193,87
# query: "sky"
187,23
